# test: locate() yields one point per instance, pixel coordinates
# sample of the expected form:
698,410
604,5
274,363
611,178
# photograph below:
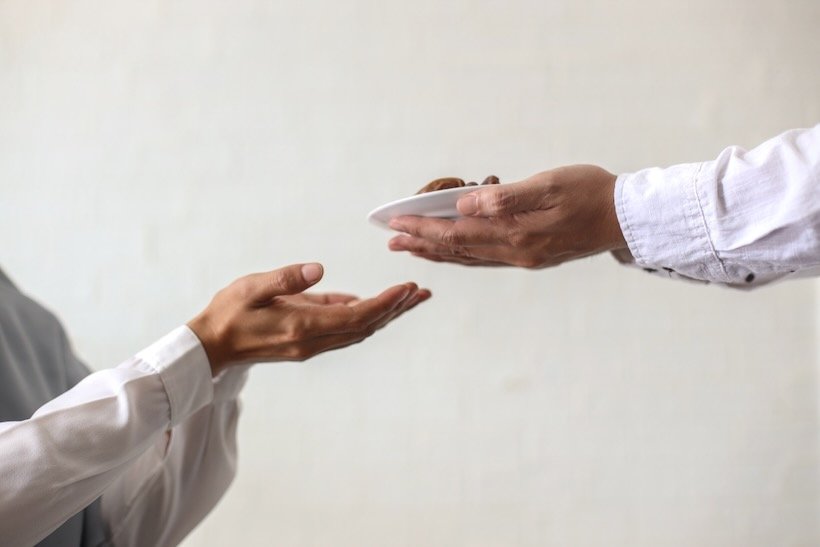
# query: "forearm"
746,218
74,447
171,488
77,446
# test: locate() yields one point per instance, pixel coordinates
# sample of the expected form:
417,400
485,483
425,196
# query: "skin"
267,317
547,219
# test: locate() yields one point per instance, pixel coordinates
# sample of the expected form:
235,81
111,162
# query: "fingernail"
468,205
312,272
396,225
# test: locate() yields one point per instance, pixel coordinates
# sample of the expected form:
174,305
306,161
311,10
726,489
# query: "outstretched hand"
542,221
268,317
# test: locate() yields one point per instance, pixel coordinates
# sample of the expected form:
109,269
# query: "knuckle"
243,287
459,251
451,238
224,293
420,247
280,279
300,353
358,340
294,333
529,262
518,238
498,201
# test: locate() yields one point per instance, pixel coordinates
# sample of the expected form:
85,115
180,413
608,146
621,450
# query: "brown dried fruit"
453,182
442,184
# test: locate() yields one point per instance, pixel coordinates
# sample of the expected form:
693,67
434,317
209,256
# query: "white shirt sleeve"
744,219
102,436
175,484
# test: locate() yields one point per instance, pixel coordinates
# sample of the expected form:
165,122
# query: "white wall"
152,151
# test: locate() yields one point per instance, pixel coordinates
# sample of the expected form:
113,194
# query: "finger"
409,303
375,317
384,302
355,317
330,298
505,199
414,299
469,256
294,279
371,310
498,255
464,261
463,232
341,340
418,245
421,296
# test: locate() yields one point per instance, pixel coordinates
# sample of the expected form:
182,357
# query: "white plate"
439,204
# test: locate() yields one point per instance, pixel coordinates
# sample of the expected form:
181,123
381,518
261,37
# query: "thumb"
291,279
502,199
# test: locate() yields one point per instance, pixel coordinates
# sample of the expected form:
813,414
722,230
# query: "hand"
264,317
542,221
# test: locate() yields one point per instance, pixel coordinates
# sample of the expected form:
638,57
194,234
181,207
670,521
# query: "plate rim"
416,197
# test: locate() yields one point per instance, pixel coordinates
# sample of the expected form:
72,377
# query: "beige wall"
152,151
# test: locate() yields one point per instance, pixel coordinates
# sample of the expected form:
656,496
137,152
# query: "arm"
160,497
172,487
95,439
746,218
62,458
165,493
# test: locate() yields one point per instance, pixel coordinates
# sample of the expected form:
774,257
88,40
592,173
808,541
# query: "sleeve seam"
165,388
629,235
721,271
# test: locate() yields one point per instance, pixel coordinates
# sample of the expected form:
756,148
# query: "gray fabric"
37,365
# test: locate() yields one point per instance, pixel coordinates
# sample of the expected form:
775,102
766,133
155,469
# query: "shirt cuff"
182,364
662,221
229,383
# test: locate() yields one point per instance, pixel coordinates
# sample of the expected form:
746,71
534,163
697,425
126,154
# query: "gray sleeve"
75,369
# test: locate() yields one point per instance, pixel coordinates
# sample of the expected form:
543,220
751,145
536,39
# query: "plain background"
152,151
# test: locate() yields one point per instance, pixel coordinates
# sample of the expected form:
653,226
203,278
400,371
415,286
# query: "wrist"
613,235
203,329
